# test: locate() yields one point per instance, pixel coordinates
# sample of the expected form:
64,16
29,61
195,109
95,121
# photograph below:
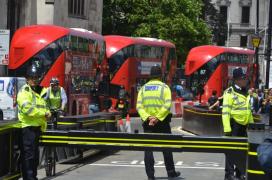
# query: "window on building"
224,13
76,8
245,14
243,41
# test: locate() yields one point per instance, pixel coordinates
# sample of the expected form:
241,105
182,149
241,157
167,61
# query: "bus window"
201,76
101,53
80,44
74,43
148,52
223,58
116,61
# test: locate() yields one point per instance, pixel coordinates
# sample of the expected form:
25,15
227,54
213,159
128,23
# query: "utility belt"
33,128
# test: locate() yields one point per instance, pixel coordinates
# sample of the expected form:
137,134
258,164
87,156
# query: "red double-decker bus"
210,68
130,60
75,56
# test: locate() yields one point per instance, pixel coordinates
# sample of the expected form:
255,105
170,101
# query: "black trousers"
29,146
240,131
160,127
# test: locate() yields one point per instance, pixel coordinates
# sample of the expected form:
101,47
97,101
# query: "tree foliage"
178,21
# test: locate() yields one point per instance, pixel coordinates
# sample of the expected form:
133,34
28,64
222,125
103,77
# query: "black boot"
173,174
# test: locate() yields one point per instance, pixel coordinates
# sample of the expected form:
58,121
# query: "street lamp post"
256,40
257,48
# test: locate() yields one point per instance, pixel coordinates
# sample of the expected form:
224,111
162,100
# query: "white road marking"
142,166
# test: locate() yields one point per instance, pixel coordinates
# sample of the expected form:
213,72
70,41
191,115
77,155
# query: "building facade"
85,14
241,18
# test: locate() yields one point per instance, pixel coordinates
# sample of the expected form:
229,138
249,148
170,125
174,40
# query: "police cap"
156,71
238,73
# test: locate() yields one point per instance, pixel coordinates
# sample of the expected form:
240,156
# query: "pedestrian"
32,114
153,106
236,115
56,97
253,101
179,90
213,99
260,100
217,105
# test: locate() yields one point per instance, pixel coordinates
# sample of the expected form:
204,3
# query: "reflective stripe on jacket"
154,99
31,108
236,106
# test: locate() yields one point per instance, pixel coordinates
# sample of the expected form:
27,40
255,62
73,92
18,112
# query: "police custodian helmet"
238,73
32,71
156,71
54,80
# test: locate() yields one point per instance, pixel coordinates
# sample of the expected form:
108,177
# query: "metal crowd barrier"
9,148
242,151
235,148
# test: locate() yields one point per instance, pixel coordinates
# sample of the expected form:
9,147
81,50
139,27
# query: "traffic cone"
121,125
128,124
178,110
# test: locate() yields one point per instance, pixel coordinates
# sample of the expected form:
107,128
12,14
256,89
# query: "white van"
9,87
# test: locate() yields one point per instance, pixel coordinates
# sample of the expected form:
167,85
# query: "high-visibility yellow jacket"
56,100
236,106
154,99
31,108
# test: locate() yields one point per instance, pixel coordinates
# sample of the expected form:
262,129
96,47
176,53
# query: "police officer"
153,105
236,115
56,97
32,115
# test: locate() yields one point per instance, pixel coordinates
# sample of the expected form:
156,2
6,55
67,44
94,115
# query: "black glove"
227,133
